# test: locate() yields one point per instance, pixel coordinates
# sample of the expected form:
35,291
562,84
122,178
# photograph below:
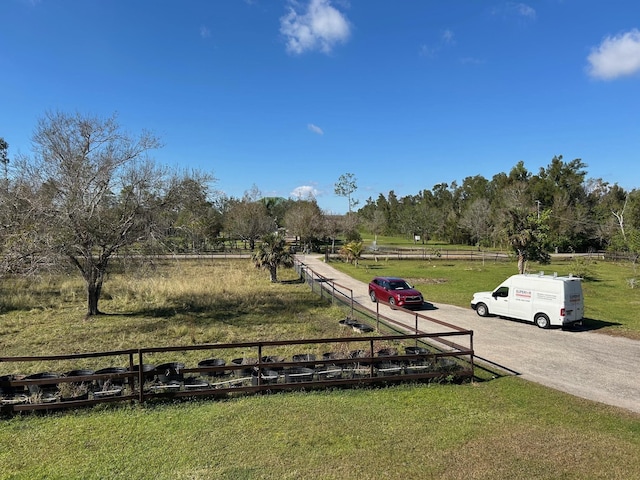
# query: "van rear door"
573,301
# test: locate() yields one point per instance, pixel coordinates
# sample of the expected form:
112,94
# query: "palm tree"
352,252
271,254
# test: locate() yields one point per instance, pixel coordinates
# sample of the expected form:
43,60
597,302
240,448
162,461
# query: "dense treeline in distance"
90,191
566,210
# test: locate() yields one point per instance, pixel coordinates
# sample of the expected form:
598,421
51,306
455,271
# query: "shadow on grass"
590,324
292,282
235,310
374,266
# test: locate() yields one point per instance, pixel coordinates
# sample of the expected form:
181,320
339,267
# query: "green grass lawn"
506,428
610,301
494,429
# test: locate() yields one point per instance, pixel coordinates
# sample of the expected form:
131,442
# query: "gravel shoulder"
582,363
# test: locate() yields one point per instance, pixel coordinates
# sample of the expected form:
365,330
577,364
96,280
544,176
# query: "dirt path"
583,363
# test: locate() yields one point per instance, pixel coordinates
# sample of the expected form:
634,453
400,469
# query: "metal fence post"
351,302
140,377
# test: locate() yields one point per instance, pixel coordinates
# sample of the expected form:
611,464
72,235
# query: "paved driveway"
583,363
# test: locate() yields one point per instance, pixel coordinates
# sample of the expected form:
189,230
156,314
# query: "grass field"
502,428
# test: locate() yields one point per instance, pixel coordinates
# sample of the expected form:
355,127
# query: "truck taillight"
562,312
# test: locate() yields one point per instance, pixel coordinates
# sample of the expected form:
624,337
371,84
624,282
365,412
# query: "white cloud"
320,27
304,192
427,51
525,10
315,129
471,61
512,9
615,57
205,32
447,37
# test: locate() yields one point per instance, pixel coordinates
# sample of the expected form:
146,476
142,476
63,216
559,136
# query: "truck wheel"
541,320
482,310
372,296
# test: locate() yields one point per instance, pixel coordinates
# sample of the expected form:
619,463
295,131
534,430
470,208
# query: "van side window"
502,292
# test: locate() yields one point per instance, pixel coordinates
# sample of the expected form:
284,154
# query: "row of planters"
229,369
72,386
217,373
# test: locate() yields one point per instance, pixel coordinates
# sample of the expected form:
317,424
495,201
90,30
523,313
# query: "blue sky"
288,96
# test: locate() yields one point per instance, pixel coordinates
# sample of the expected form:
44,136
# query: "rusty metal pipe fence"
342,294
395,353
346,361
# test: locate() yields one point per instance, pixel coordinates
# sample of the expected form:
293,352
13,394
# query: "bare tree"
305,220
92,190
332,227
192,219
620,217
476,219
249,219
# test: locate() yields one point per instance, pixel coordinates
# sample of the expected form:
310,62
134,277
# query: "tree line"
557,209
90,192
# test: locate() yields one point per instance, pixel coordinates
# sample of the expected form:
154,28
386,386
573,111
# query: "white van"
542,299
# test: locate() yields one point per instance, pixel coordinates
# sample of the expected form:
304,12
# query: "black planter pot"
388,368
298,374
362,328
7,390
332,356
72,398
329,372
305,359
387,352
417,362
250,366
271,359
415,350
81,385
447,364
267,377
44,388
194,383
148,371
170,372
107,382
348,322
213,362
80,373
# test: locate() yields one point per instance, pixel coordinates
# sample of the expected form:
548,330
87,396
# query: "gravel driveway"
583,363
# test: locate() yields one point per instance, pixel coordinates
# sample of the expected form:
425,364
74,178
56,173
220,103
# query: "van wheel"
482,310
542,321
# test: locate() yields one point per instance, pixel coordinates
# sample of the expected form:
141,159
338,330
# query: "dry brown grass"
174,303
